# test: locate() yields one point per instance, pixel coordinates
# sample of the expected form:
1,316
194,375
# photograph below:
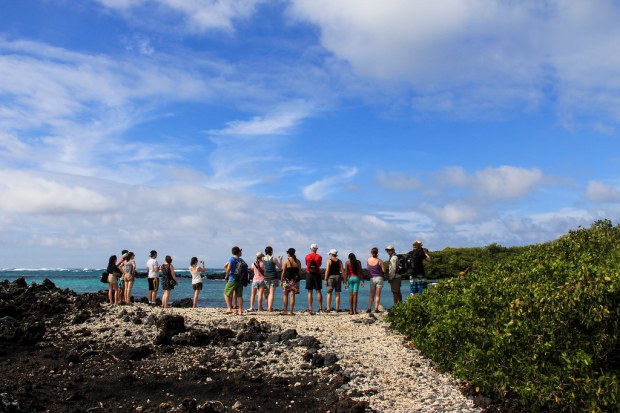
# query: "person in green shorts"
232,285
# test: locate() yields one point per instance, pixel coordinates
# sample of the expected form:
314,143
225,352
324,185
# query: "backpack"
241,272
401,265
313,267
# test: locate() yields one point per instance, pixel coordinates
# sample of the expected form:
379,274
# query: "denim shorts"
258,284
376,282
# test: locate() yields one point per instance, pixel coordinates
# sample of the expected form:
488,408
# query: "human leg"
252,298
195,303
261,292
292,300
128,287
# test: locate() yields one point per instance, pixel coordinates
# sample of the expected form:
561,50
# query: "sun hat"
314,247
390,248
416,242
333,252
259,254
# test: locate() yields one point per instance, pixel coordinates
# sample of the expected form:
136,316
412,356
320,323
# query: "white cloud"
323,188
507,182
452,214
480,56
31,193
601,192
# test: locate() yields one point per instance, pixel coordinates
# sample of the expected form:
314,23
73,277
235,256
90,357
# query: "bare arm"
227,269
174,276
329,263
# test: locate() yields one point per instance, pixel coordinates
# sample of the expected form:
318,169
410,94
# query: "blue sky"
192,126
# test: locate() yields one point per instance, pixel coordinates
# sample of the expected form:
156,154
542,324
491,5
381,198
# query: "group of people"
267,273
265,278
122,273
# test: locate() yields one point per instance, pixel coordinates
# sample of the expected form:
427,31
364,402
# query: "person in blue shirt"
233,285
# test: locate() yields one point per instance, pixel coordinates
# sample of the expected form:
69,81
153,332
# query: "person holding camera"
196,273
417,275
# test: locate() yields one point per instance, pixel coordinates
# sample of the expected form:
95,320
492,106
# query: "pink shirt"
258,276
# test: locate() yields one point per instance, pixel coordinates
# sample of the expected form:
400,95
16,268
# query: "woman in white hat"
333,278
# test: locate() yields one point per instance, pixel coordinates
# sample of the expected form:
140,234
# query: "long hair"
193,261
112,260
355,265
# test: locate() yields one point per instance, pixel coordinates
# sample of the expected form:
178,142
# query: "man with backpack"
415,264
236,276
313,277
394,278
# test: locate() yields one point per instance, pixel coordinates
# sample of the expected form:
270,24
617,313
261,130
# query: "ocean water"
87,281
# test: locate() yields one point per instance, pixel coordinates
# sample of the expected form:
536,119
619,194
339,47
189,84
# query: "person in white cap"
394,278
313,277
333,278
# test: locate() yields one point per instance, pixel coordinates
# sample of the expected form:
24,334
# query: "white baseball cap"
390,248
333,252
314,247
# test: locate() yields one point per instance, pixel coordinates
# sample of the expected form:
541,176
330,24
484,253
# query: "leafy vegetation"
451,261
538,330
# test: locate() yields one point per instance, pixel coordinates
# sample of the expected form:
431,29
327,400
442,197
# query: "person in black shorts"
313,277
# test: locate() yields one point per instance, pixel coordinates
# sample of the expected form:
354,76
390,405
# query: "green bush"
539,330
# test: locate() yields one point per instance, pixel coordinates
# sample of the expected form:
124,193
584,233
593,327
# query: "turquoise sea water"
87,281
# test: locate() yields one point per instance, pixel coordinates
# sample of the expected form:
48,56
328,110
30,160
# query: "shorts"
153,284
353,283
233,286
314,281
334,282
258,284
197,286
128,277
376,282
395,284
112,279
272,283
289,285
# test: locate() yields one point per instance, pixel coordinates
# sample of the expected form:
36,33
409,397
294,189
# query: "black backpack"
241,272
401,266
313,267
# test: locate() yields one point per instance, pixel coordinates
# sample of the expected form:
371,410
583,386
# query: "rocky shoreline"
62,352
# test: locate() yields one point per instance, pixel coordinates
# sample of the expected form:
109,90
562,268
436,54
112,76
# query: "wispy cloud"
192,16
280,121
323,188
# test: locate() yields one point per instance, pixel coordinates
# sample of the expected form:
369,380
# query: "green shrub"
539,330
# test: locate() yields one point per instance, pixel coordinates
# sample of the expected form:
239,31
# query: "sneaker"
368,311
377,311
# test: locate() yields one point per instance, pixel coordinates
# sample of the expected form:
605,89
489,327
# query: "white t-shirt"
153,267
196,275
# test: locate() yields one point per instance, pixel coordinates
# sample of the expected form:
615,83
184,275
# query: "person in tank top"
271,265
290,280
352,281
333,279
374,265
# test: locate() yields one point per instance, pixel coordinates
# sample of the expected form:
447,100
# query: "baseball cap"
314,247
333,252
390,248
